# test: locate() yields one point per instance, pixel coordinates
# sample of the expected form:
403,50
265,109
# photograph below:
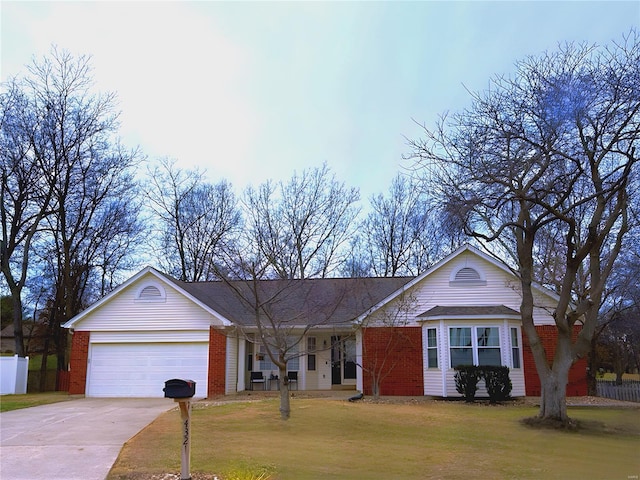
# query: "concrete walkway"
73,440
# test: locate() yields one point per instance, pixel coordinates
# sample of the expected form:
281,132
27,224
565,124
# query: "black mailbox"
178,388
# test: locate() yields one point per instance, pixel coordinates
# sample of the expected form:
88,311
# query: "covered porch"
321,360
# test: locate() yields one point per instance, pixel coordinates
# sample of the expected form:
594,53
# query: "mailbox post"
182,391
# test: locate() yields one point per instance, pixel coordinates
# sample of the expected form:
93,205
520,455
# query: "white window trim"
436,348
519,346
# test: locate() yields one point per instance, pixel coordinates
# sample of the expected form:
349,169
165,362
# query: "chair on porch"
293,378
257,377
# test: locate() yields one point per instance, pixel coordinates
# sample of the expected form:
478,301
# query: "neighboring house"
33,335
464,310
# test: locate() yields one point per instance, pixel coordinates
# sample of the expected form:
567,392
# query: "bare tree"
283,311
546,161
197,220
70,184
401,233
301,226
93,193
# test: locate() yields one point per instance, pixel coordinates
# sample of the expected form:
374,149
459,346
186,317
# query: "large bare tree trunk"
553,403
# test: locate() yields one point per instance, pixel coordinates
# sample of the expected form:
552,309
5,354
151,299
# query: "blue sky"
255,90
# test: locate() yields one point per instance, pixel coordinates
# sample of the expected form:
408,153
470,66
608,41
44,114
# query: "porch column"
242,365
359,371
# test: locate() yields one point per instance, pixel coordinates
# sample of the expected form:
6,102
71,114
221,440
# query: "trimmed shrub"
467,378
498,383
496,379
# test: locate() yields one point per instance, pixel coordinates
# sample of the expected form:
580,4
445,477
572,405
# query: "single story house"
463,310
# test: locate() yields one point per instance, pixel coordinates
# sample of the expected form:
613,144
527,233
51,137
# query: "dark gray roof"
320,301
464,311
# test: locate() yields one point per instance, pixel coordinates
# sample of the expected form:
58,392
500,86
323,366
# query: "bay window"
474,346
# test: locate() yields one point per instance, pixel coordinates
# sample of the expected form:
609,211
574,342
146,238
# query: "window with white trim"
266,365
474,346
432,348
460,346
488,345
515,348
311,353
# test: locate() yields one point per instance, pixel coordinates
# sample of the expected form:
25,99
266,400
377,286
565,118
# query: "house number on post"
185,415
181,391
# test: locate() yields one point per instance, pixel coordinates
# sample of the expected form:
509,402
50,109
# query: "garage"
140,369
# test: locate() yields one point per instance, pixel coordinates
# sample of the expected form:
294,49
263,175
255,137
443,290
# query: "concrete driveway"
73,440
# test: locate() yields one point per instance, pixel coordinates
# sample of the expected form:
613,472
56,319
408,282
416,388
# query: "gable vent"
467,274
150,292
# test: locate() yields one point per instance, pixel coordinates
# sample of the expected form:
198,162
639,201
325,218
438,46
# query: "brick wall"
403,348
78,363
577,385
217,362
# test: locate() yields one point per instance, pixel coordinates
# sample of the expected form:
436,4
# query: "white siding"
124,312
231,372
165,336
436,289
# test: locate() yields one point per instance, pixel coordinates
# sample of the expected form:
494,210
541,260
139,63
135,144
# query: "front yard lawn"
422,440
14,402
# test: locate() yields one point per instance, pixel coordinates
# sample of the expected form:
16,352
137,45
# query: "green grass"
341,440
35,362
625,376
14,402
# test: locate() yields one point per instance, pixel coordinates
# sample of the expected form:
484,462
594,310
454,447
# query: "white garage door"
140,369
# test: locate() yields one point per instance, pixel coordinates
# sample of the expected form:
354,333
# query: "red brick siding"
78,363
217,362
577,385
405,377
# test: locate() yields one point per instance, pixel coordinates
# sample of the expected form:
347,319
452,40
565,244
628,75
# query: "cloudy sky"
257,90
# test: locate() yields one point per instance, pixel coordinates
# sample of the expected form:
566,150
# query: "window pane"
515,349
489,337
431,337
461,356
311,344
488,356
515,354
514,337
460,337
294,364
432,358
311,362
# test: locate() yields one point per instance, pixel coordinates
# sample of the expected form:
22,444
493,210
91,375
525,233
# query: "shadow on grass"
588,427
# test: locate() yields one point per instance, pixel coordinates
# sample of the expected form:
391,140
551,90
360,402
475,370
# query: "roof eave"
505,316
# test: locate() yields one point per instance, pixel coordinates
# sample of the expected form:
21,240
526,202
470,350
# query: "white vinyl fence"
628,391
13,375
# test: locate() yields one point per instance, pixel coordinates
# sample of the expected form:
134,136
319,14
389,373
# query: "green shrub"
496,379
498,383
467,378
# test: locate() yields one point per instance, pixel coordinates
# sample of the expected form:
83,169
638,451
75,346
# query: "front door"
343,356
